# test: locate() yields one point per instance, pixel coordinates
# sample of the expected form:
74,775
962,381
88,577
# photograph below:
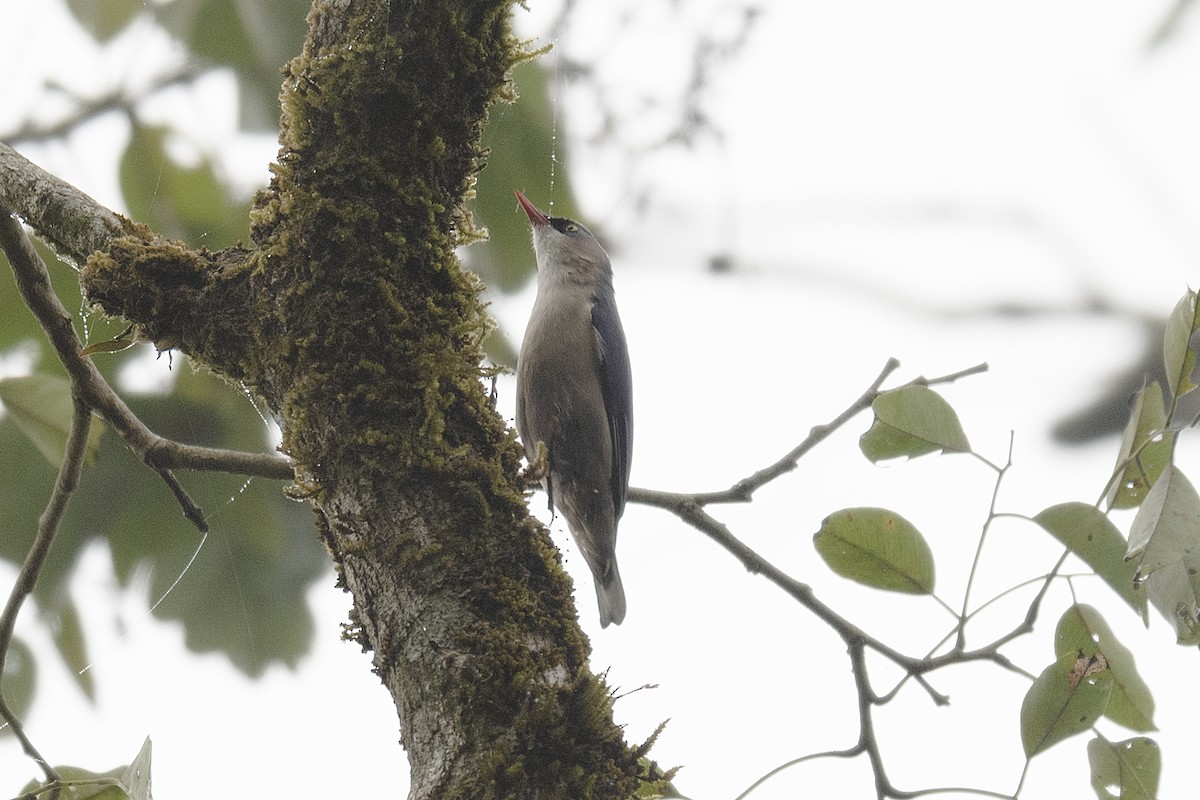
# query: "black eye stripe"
566,226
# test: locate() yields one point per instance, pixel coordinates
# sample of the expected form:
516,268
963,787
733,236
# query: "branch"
691,509
160,454
74,223
64,485
743,491
1169,27
119,99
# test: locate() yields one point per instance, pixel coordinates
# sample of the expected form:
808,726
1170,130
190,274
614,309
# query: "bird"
575,394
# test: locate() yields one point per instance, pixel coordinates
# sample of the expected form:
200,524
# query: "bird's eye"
572,228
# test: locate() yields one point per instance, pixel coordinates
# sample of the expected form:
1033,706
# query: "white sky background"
874,158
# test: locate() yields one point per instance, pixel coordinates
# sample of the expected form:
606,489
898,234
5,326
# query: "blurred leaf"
1081,629
1132,767
19,680
522,140
1066,699
186,203
253,38
1179,356
1091,536
876,547
246,593
104,19
64,622
41,406
1146,435
19,329
1108,411
911,422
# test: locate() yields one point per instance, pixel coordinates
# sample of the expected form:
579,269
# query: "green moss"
180,297
354,319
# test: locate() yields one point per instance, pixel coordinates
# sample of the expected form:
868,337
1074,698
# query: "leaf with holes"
1081,629
1066,699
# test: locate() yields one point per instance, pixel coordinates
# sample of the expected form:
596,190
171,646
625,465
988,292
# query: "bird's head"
563,244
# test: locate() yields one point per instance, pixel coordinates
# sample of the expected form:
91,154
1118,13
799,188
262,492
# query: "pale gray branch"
71,221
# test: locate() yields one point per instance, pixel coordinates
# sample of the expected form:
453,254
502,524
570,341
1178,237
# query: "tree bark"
353,319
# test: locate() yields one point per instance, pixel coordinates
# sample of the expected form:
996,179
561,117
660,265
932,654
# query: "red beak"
535,217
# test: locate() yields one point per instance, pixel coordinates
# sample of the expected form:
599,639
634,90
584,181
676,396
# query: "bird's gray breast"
560,398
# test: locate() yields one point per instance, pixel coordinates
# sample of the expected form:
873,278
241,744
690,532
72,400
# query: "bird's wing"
616,380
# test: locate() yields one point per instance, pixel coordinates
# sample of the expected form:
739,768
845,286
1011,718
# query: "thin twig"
160,454
743,491
960,643
119,99
64,485
691,508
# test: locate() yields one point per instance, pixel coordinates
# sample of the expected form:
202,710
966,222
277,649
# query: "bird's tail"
610,595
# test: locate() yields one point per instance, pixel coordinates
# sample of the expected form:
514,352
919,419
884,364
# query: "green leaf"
1146,435
1179,357
84,784
1131,767
19,680
1091,536
878,548
41,406
136,777
1081,629
1175,591
1165,538
1066,699
1167,525
104,19
911,422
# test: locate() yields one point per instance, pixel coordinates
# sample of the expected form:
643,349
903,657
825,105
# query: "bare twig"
960,642
743,491
90,392
64,485
118,99
691,509
160,454
74,223
1169,27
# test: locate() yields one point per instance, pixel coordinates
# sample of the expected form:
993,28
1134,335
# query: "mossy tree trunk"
353,319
